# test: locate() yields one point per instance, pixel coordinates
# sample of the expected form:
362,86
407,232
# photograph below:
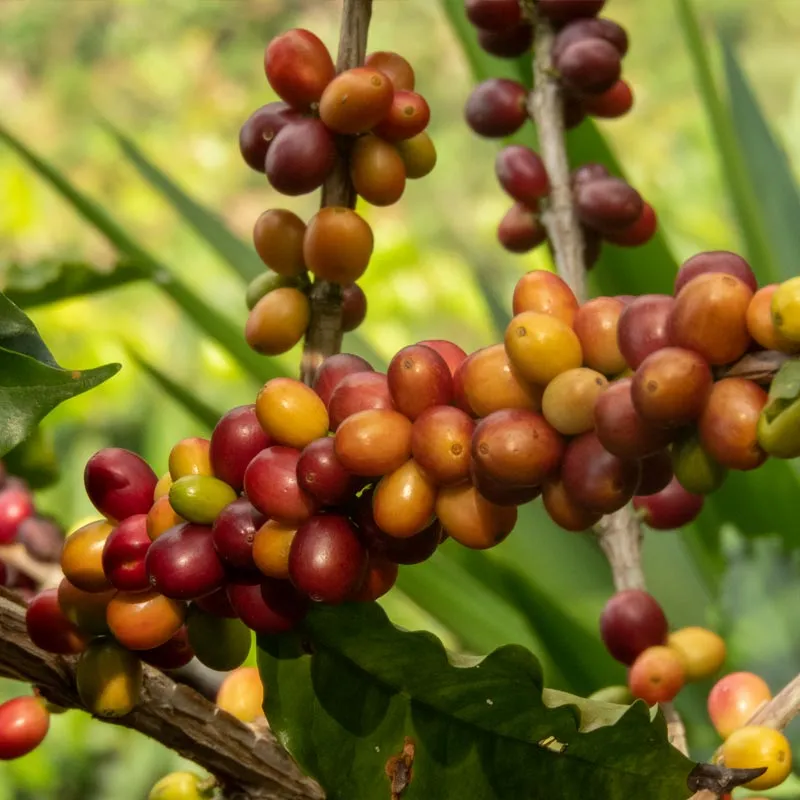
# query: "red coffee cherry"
24,722
631,622
298,67
300,157
508,43
497,108
260,129
119,483
522,174
589,66
494,15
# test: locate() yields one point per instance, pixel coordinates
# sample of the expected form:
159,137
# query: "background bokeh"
179,77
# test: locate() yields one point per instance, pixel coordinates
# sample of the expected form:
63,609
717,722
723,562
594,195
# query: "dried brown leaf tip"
399,769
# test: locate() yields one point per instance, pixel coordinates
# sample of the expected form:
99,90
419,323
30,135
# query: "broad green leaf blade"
31,389
771,183
201,313
745,201
19,334
207,225
480,729
31,285
203,412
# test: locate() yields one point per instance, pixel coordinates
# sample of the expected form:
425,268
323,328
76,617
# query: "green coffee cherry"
613,694
200,498
694,468
269,281
779,428
109,679
182,786
220,643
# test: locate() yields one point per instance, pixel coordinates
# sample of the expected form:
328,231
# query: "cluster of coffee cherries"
368,118
635,631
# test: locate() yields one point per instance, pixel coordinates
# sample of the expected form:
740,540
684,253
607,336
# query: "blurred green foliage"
178,79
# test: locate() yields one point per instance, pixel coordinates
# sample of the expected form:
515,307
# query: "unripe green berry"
200,498
269,281
694,468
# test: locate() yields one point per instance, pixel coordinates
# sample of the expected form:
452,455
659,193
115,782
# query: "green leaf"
205,223
218,327
203,412
745,201
772,186
19,334
481,729
49,281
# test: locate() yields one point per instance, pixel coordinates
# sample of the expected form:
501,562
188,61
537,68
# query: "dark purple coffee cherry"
300,157
260,129
522,174
562,11
497,108
589,66
494,15
510,43
521,229
608,204
590,28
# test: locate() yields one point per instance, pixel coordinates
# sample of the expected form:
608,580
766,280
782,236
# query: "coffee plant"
619,415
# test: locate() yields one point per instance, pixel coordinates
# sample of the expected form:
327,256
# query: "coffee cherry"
545,293
268,282
608,205
694,468
561,11
278,321
441,438
487,382
670,509
785,307
471,519
144,620
241,694
218,603
109,679
778,432
453,355
728,425
271,548
260,129
360,391
354,307
734,699
327,561
710,317
161,517
200,498
564,511
621,429
300,157
494,15
380,579
291,413
183,563
298,67
642,327
373,443
761,326
338,245
522,174
16,505
597,479
497,107
162,487
321,474
589,66
356,100
221,644
178,786
569,400
190,457
671,386
119,483
499,492
541,347
377,171
521,230
701,651
657,473
631,622
715,261
82,557
85,610
331,371
590,28
267,607
237,439
50,629
271,485
404,500
408,116
175,653
611,104
418,154
657,675
507,43
24,722
234,532
42,538
278,239
124,553
394,67
758,746
596,327
419,378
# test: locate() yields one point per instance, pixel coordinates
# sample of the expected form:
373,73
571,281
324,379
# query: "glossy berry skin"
218,603
24,722
608,205
564,511
278,321
507,43
377,171
657,675
298,67
761,325
173,654
596,323
183,563
561,11
82,557
338,245
219,643
404,501
497,108
300,157
408,116
237,439
271,485
734,699
521,229
441,440
241,694
671,508
108,679
545,292
418,379
322,475
590,28
453,355
119,483
333,369
381,577
757,746
269,606
291,413
278,240
494,15
611,104
395,67
50,629
471,519
189,457
569,401
694,468
327,561
418,154
644,229
522,174
16,505
356,100
702,652
372,443
589,66
354,307
200,498
501,493
144,620
124,554
642,327
261,127
657,473
233,533
85,610
715,261
631,622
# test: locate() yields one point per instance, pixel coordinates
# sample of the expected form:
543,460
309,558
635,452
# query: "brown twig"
47,576
324,336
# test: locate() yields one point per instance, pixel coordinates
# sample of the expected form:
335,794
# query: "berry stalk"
324,335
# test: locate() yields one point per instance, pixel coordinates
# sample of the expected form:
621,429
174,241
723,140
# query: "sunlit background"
179,77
